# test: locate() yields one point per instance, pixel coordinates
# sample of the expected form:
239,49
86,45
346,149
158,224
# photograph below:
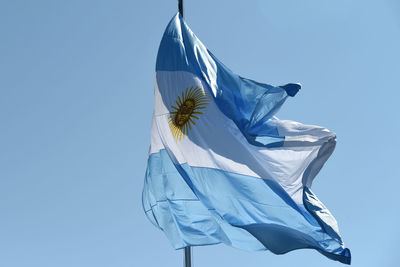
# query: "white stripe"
216,142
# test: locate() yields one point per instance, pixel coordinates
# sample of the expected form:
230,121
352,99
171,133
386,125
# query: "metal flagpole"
188,250
188,257
180,7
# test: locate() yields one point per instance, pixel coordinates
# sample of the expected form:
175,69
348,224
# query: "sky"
76,100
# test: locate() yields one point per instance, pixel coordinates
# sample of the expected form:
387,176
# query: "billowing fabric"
222,168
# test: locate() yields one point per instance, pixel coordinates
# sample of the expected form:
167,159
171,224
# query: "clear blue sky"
76,97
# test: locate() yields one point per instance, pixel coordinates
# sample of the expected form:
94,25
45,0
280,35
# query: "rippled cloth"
222,168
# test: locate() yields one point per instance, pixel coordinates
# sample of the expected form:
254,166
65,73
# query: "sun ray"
186,128
180,134
198,98
197,94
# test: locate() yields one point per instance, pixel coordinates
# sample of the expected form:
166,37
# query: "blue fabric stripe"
172,206
203,206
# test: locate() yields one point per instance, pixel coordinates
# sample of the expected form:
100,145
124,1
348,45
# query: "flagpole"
180,7
188,250
188,257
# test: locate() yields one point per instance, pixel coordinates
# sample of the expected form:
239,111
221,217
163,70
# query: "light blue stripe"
203,206
172,206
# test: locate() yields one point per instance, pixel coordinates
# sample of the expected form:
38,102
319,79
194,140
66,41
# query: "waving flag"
222,168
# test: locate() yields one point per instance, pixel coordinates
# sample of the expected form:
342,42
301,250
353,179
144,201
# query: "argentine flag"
222,168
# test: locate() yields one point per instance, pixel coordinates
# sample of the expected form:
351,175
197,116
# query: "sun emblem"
187,111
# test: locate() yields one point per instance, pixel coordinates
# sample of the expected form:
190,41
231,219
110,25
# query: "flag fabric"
222,168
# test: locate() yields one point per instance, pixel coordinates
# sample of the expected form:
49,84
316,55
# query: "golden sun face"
187,111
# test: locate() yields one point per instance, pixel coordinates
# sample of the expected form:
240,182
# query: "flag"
222,168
